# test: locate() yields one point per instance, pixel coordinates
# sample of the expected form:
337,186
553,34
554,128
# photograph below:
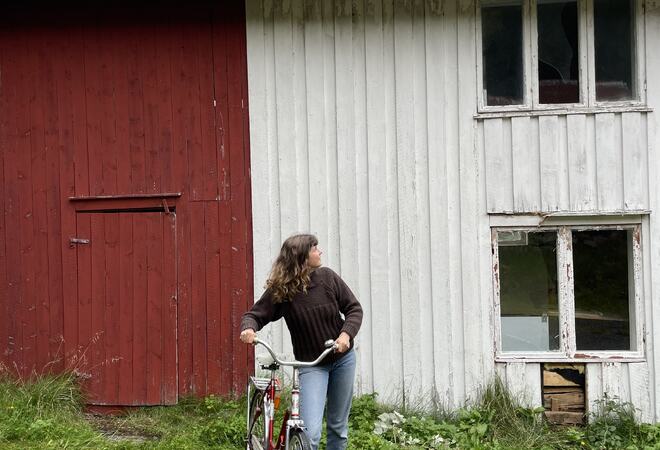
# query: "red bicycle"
263,401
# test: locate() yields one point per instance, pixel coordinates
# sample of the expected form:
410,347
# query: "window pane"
501,27
528,290
558,51
613,42
602,289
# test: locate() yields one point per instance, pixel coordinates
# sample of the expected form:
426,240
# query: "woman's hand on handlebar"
248,335
343,342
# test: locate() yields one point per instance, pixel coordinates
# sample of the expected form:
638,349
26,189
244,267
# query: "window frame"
565,295
586,69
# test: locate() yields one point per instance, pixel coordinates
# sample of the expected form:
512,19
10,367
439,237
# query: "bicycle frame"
268,386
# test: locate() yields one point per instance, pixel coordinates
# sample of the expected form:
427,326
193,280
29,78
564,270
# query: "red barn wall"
119,111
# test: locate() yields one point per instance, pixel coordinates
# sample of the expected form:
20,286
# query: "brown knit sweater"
312,318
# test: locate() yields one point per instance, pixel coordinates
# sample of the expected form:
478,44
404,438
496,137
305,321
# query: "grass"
47,413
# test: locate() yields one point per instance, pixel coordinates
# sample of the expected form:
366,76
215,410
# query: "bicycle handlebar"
329,344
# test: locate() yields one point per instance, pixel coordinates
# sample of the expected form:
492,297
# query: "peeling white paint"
364,129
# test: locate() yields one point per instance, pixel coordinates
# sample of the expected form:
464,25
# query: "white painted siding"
575,162
652,239
355,138
364,131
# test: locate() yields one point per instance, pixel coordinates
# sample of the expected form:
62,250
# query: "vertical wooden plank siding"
365,363
609,167
580,172
25,233
111,311
550,163
378,97
587,162
68,140
169,389
237,277
213,312
54,184
499,175
424,256
139,316
11,277
635,162
5,318
407,195
127,328
119,102
437,200
198,298
474,321
378,79
612,377
391,175
98,339
80,356
652,302
593,378
39,153
525,157
524,380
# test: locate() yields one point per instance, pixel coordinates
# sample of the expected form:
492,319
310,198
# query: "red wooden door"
127,310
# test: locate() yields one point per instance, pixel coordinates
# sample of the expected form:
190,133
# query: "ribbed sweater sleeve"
262,313
349,306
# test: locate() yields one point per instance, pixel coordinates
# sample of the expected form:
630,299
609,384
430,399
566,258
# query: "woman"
311,298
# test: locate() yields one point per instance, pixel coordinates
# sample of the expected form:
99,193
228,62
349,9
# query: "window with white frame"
548,54
567,292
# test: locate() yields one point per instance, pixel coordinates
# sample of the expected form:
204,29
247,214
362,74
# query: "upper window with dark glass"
502,32
558,52
613,44
554,53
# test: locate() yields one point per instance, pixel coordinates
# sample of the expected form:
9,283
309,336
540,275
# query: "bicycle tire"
298,440
256,429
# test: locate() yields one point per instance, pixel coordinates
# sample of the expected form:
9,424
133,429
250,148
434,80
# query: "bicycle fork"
293,419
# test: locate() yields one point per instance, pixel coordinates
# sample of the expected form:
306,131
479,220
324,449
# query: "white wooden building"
385,127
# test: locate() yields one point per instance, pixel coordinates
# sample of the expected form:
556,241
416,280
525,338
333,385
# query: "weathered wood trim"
554,357
125,197
586,63
565,291
497,310
561,111
635,273
568,351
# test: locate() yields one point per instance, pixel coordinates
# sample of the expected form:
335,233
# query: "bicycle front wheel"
256,438
298,440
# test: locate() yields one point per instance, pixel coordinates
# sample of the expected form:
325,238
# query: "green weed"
47,413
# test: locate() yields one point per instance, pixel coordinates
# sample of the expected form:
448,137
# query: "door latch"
74,241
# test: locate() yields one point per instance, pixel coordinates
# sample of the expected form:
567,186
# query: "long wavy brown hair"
290,273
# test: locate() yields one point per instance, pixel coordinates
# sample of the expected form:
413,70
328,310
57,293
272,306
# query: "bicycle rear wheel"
298,440
257,428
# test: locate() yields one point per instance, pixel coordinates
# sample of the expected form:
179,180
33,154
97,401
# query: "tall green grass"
43,412
47,413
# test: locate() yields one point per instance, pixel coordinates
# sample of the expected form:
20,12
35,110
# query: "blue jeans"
334,381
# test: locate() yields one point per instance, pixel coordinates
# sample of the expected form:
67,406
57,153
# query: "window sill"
593,357
501,113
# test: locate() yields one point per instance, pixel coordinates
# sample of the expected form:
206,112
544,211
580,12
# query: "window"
613,43
546,54
567,292
558,51
502,54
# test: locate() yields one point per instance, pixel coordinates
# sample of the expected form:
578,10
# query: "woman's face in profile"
314,258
